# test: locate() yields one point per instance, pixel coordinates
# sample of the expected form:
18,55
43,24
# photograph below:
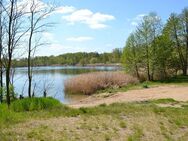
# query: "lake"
52,79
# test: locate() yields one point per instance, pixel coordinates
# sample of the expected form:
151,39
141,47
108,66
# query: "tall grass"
92,82
33,104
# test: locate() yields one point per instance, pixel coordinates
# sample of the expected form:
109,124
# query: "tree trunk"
185,70
9,54
181,57
186,58
8,84
148,67
1,82
1,49
29,57
137,72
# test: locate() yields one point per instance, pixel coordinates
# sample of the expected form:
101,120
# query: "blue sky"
99,25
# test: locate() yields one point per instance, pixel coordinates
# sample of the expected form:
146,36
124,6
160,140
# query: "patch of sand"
179,93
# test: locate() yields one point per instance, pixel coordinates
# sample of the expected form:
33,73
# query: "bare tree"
37,25
1,50
14,33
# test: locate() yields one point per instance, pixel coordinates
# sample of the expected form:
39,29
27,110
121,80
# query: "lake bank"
118,121
175,92
174,87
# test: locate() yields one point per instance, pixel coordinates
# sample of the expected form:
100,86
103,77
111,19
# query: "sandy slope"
179,93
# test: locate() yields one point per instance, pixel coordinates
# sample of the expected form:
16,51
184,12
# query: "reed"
91,82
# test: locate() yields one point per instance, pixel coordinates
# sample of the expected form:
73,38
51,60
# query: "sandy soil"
179,93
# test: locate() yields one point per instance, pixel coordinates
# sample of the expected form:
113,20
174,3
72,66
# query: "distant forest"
79,58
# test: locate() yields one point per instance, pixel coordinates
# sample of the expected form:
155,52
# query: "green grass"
48,119
9,117
164,101
131,121
33,104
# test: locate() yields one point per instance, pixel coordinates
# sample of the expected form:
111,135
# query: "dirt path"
179,93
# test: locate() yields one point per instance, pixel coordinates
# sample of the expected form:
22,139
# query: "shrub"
33,104
91,82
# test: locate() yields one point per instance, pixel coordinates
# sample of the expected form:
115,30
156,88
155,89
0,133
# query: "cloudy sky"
99,25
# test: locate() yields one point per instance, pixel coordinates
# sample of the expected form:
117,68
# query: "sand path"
179,93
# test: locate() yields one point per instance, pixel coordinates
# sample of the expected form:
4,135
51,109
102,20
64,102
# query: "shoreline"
118,65
175,92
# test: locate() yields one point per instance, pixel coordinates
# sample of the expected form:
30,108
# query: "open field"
143,121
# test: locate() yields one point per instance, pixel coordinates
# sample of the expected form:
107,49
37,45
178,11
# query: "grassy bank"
47,119
95,81
178,80
148,120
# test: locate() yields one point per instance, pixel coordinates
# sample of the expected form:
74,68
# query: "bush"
33,104
91,82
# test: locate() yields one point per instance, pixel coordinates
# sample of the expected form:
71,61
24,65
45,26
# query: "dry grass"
92,82
143,121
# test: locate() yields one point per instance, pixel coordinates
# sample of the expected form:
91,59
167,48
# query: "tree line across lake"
80,58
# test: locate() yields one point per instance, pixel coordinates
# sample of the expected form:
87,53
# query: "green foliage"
156,52
80,58
145,86
32,104
132,55
13,94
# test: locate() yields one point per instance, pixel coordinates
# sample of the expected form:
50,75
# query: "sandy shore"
179,93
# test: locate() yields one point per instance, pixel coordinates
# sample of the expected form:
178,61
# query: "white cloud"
79,39
85,16
64,10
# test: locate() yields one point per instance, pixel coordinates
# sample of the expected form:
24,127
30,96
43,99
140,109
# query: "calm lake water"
53,79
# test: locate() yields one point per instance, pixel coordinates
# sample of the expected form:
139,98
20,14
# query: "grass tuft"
34,104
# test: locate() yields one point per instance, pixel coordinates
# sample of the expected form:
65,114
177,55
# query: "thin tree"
174,30
131,55
1,51
184,16
37,25
144,33
14,33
